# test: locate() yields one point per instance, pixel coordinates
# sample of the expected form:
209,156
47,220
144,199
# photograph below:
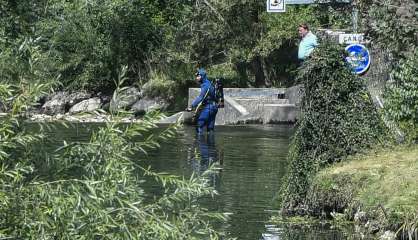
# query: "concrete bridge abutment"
257,105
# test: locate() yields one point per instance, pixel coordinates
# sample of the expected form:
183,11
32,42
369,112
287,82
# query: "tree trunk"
267,79
257,64
241,68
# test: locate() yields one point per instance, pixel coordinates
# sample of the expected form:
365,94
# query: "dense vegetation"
338,119
333,123
46,45
84,43
392,25
92,190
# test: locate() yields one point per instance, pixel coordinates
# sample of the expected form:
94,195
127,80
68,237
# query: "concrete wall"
255,105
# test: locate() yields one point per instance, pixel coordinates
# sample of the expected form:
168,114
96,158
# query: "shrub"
159,85
337,119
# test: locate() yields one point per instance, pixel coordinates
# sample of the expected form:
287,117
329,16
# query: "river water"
252,162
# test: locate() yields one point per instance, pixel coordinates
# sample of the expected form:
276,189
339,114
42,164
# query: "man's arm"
201,96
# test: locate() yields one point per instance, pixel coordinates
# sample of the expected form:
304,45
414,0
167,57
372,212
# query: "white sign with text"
276,6
351,38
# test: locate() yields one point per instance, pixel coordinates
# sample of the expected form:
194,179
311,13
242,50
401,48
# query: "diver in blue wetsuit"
205,104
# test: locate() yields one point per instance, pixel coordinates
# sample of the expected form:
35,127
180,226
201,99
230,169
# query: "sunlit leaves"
392,24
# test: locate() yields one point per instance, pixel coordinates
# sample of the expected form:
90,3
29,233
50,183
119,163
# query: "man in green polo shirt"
307,44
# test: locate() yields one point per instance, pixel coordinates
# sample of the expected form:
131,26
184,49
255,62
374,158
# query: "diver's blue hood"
202,73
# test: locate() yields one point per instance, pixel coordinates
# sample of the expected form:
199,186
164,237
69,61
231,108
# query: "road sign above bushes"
358,57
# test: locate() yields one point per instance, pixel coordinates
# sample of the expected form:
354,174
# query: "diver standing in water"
205,105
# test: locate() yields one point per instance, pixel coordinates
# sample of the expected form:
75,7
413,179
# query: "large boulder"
125,99
146,104
56,104
88,105
60,102
77,97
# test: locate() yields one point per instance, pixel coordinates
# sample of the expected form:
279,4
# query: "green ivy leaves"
402,96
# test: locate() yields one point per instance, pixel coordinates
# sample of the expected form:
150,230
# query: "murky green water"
252,161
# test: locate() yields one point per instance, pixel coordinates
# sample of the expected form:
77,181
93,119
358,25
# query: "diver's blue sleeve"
201,97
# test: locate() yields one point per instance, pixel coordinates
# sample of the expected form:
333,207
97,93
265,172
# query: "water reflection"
203,154
323,231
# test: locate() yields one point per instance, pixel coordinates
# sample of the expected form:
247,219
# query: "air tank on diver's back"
219,91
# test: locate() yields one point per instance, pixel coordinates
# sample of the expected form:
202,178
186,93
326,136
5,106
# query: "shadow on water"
251,162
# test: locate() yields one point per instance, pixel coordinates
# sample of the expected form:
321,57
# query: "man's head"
303,29
200,75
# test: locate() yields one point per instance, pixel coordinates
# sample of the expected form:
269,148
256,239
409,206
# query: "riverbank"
377,190
102,117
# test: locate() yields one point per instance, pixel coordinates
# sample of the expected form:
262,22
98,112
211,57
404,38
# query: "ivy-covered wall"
338,119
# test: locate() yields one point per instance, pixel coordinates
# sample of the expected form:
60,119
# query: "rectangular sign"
276,6
300,1
315,1
351,38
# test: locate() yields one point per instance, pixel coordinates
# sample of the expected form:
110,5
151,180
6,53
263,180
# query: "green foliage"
338,119
335,14
228,73
24,61
392,24
17,17
24,76
281,29
78,46
402,97
380,183
409,228
216,34
93,190
159,85
89,40
84,42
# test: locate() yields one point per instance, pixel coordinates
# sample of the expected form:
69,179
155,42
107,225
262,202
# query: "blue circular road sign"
358,57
